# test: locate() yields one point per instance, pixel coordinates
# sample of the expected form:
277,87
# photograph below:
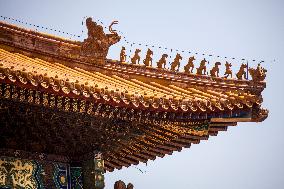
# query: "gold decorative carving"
136,57
202,67
258,74
162,62
228,71
17,173
110,27
98,43
122,55
148,58
176,62
242,73
189,65
214,72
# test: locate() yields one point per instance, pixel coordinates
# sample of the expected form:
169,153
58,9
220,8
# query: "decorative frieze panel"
18,173
76,177
15,173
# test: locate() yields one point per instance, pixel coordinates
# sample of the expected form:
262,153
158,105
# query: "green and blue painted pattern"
30,174
76,177
61,176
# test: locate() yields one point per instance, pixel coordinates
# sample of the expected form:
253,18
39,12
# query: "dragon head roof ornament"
97,44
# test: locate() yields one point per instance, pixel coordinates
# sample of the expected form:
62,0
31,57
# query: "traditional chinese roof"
67,99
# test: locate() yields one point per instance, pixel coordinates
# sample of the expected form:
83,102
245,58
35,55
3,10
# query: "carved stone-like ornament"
97,44
242,73
162,62
148,58
122,55
214,72
136,58
202,68
176,62
188,68
258,74
228,71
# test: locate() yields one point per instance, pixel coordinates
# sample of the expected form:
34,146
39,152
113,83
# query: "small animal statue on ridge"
176,62
162,62
202,68
258,74
242,73
189,65
121,185
136,57
122,55
130,186
214,72
148,58
228,71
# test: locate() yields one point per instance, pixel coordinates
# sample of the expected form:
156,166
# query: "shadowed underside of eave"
54,101
165,117
49,126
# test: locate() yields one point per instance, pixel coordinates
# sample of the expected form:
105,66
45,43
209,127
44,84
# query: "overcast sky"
250,156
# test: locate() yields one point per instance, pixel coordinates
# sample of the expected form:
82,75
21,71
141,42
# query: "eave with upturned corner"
131,113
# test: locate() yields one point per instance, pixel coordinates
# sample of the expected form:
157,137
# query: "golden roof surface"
161,110
120,90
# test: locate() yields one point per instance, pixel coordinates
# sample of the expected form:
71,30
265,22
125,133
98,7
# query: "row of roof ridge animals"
258,74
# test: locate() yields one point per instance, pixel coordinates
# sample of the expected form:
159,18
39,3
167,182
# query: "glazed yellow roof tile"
139,92
80,83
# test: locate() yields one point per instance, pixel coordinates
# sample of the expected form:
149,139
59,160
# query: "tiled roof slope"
131,113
